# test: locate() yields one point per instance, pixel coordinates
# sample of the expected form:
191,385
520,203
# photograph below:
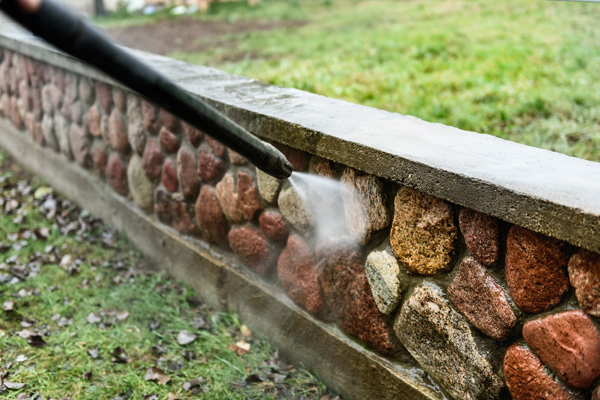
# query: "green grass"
57,370
524,70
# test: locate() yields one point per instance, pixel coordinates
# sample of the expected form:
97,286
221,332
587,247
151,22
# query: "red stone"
36,88
194,135
274,225
24,95
55,96
210,166
247,195
569,344
251,246
236,158
80,145
186,172
169,176
117,132
150,117
321,167
5,102
14,113
76,111
104,96
584,274
481,234
169,121
229,199
99,156
116,173
86,90
104,128
298,158
152,160
168,141
70,90
297,272
30,123
479,298
216,146
119,99
93,121
536,269
173,211
526,379
348,294
209,217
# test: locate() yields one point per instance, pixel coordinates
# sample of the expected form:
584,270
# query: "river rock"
80,145
251,246
99,155
172,210
217,147
236,158
268,186
382,271
117,133
423,235
584,274
141,188
194,135
120,99
86,90
169,142
104,96
247,194
273,225
48,131
169,176
482,236
209,217
61,130
169,121
152,159
229,199
150,117
210,166
116,174
186,173
135,126
293,206
93,121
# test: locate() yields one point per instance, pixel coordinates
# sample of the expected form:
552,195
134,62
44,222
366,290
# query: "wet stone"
423,235
347,293
320,166
481,300
536,269
152,160
209,217
569,344
236,158
80,145
247,194
229,199
194,135
186,173
441,341
274,225
99,156
169,176
526,378
210,166
135,126
61,130
584,274
169,142
251,246
117,133
141,188
482,235
294,208
297,273
48,131
382,271
116,174
150,117
169,121
172,210
216,146
268,186
104,96
364,204
93,121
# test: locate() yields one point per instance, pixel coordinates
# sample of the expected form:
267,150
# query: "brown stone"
569,344
36,89
236,158
150,117
169,176
274,225
104,96
481,300
48,131
117,132
135,127
347,293
297,158
210,166
423,234
86,90
251,246
116,173
536,269
186,173
80,145
247,194
216,146
297,273
71,84
24,95
140,187
229,199
584,274
364,204
5,103
482,236
47,106
320,166
99,156
209,217
152,160
169,142
172,210
169,121
30,124
194,135
39,134
93,121
526,379
15,117
120,99
76,111
104,128
55,96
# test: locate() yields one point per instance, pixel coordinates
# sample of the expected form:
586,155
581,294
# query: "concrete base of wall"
343,364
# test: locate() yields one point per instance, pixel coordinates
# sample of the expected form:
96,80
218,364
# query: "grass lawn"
524,70
84,317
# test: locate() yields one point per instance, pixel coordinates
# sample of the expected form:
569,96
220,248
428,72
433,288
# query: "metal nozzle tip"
286,168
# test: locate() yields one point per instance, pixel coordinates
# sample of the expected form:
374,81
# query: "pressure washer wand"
61,27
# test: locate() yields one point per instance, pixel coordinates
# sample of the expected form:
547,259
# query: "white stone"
382,271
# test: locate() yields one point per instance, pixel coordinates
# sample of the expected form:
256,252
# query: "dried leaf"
254,378
93,352
200,323
195,301
88,376
193,383
122,315
13,385
173,396
157,374
245,331
184,337
93,318
240,348
36,341
189,355
119,356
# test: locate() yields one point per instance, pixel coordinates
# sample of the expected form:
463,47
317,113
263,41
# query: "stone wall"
483,306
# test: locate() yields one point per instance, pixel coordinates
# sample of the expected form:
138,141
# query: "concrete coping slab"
544,191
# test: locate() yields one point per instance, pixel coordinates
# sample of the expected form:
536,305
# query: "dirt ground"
189,34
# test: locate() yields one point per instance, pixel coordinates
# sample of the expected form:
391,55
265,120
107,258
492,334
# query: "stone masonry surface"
453,329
